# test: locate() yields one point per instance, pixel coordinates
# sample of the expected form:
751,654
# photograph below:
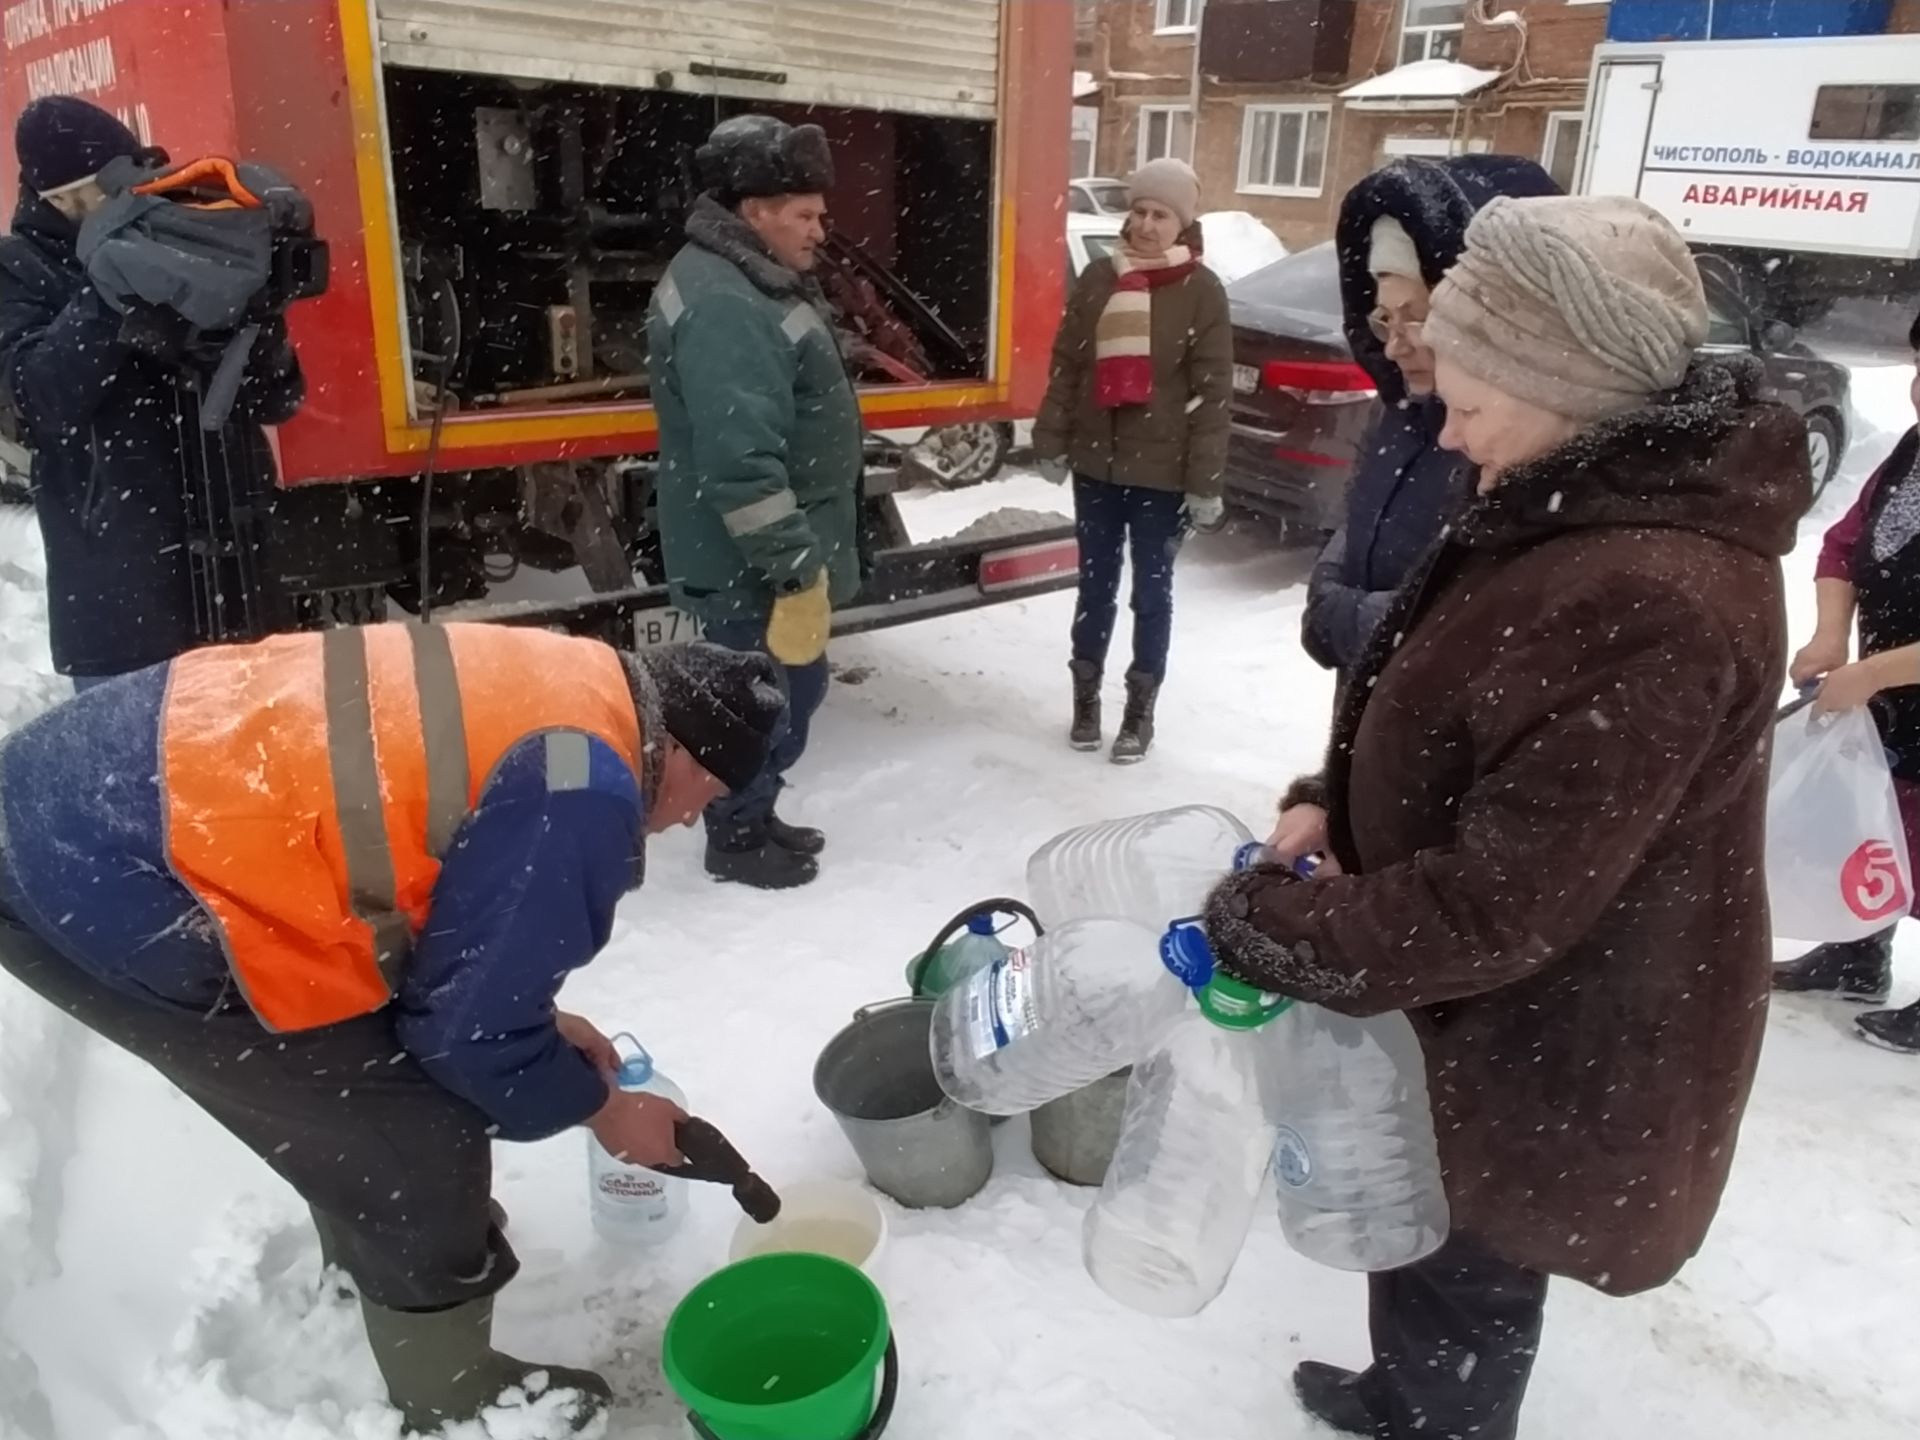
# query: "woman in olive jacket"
1137,413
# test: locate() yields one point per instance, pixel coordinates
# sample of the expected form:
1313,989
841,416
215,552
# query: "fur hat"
1584,305
61,141
757,155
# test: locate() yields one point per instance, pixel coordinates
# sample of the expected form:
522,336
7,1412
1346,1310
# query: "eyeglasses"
1384,325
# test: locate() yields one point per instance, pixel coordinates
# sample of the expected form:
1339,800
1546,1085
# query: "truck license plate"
665,627
1246,379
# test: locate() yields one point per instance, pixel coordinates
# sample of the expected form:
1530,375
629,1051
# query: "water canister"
633,1205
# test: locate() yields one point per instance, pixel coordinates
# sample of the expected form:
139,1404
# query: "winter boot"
758,861
1892,1029
440,1366
1135,739
1859,970
1333,1396
800,839
1085,734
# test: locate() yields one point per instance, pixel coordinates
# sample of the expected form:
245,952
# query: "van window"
1866,112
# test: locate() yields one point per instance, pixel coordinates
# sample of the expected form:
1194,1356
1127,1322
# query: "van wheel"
1826,447
955,457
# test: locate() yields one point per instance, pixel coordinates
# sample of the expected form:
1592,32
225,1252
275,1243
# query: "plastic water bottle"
631,1204
1152,869
1355,1164
1086,999
976,948
1173,1212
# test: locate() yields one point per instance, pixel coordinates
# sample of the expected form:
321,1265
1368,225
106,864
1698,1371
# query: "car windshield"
1303,288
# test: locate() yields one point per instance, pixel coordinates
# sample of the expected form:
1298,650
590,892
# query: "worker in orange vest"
330,884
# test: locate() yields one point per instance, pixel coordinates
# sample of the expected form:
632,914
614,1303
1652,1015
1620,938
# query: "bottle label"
1003,1006
1292,1161
635,1194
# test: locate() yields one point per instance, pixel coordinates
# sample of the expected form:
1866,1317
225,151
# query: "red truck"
501,182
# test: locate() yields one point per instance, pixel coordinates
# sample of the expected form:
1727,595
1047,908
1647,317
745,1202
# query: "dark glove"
710,1157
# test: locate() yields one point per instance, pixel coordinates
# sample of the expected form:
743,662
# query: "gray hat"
1391,251
1170,182
757,155
1584,305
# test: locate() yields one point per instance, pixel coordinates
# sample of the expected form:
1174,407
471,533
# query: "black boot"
1892,1029
800,839
1859,970
1333,1396
1135,739
759,862
1085,734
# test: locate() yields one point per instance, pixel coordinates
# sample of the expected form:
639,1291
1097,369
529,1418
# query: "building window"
1086,139
1176,17
1424,147
1165,130
1432,30
1866,112
1561,154
1283,149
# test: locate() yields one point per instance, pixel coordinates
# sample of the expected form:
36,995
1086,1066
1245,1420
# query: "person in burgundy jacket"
1870,568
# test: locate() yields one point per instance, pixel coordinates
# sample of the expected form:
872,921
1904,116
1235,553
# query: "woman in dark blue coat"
1400,230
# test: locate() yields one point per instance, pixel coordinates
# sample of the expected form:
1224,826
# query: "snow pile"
1238,243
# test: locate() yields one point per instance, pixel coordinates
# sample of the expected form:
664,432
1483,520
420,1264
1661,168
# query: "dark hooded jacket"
99,419
1405,486
1548,792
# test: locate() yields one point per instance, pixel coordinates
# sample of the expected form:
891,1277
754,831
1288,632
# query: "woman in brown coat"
1544,803
1137,413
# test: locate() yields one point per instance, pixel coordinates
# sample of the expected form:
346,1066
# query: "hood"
34,219
1435,200
712,226
1709,456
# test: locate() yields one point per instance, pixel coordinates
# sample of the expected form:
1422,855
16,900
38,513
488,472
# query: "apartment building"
1283,104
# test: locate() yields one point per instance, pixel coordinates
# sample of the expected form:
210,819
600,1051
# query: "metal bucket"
876,1076
1076,1135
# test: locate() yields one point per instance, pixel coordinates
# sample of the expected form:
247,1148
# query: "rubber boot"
800,839
1892,1029
759,862
1860,970
440,1367
1135,739
1085,734
1333,1396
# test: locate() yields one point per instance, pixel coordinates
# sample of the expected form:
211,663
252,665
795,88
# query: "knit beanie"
723,706
1584,305
1392,251
1171,183
61,141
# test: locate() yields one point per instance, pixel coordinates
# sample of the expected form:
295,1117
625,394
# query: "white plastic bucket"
824,1217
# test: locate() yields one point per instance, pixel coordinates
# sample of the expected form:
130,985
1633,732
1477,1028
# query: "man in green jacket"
760,451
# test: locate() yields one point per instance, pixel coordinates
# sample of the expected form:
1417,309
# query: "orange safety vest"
313,782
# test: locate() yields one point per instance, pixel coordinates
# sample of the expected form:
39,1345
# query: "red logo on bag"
1871,882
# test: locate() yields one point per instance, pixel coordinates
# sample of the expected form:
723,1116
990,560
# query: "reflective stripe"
356,789
768,510
568,760
443,727
667,296
800,319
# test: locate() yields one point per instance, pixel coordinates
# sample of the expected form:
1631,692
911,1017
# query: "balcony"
1261,42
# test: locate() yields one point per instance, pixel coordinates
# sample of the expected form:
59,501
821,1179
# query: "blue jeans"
84,683
741,818
1150,523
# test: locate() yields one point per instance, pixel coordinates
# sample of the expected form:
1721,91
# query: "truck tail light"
1319,382
1027,564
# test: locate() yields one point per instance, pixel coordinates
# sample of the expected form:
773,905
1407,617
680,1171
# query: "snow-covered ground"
156,1281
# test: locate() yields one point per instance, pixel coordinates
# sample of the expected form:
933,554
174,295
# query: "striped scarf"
1123,336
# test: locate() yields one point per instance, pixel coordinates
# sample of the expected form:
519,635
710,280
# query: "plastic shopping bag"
1837,863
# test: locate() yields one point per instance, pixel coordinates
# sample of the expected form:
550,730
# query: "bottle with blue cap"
1150,869
1195,1143
633,1205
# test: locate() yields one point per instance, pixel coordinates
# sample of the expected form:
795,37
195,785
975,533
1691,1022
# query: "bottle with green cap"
633,1205
1195,1143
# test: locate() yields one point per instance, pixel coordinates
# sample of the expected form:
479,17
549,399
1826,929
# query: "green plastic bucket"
780,1347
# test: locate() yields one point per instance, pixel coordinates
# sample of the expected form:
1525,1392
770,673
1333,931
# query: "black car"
1301,406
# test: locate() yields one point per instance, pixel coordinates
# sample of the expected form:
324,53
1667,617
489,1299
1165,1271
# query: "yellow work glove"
798,628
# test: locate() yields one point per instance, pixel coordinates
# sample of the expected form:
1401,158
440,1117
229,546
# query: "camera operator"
100,417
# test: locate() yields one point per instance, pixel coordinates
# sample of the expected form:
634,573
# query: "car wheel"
957,457
1825,447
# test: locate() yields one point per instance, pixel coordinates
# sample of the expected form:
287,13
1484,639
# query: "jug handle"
959,923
